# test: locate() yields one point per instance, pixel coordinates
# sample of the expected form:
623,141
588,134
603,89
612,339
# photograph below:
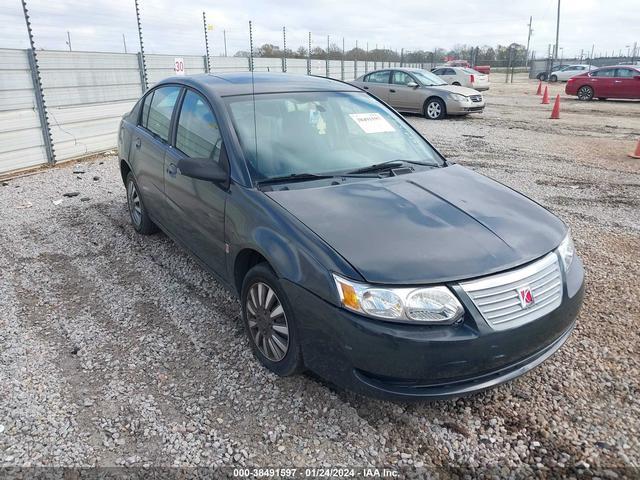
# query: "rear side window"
439,71
625,73
378,77
158,109
449,71
198,135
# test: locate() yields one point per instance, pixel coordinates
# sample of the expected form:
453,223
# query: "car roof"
244,83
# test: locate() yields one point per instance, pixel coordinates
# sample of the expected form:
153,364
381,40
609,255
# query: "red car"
620,81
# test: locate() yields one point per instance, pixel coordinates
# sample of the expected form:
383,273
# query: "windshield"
428,79
321,133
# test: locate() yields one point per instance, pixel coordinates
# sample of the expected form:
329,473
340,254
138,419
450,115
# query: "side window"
607,72
378,77
625,73
198,135
158,116
449,71
401,78
145,110
438,71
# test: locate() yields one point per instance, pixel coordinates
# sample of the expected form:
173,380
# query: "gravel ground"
117,349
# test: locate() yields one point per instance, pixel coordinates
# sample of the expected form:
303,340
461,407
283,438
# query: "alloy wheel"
135,207
267,322
585,93
434,110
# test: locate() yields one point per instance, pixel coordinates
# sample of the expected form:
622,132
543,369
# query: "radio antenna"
253,92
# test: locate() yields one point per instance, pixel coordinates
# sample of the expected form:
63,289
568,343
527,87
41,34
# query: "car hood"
467,92
434,226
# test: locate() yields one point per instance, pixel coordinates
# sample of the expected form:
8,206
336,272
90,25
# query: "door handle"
172,170
138,142
392,90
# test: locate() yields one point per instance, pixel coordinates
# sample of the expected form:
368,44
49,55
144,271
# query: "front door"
197,207
603,82
402,96
626,85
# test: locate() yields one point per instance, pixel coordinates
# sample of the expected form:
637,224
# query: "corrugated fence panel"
267,65
160,67
87,93
297,65
229,64
21,141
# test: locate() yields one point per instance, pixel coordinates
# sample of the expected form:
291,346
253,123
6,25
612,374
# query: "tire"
457,84
140,219
553,78
585,93
542,76
262,296
434,109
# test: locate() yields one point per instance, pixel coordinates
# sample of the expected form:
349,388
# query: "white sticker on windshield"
372,122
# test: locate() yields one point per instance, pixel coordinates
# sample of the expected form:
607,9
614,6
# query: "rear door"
378,83
150,141
196,207
403,97
625,83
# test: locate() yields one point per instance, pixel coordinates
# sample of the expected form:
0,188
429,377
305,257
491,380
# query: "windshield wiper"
294,177
388,165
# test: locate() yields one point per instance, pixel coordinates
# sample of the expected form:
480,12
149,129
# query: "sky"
176,27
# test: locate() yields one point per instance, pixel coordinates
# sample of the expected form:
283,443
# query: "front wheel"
553,78
542,76
585,93
139,217
269,322
434,109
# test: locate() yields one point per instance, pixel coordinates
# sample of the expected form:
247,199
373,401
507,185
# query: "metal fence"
87,93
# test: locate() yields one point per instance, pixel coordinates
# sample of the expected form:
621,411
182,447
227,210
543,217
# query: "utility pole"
555,50
124,42
224,35
206,42
69,40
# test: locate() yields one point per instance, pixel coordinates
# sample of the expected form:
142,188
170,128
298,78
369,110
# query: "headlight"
567,251
427,306
459,98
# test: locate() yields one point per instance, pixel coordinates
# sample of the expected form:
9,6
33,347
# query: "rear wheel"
139,217
553,78
434,109
585,93
269,322
457,84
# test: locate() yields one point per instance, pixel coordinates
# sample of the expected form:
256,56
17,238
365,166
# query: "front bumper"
396,361
459,108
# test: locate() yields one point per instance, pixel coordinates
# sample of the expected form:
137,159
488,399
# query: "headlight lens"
428,306
567,251
459,98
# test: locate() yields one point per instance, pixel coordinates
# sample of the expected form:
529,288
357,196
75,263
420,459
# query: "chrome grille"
476,98
497,297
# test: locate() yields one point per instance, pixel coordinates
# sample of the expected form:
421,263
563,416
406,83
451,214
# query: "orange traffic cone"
545,97
636,154
555,113
539,91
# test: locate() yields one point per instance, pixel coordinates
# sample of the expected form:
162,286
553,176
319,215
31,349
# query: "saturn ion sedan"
418,91
357,250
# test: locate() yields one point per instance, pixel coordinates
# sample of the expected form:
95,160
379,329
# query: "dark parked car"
357,250
608,82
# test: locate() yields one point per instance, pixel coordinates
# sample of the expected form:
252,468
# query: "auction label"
372,122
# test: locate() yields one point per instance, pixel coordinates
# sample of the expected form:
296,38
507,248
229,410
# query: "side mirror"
412,85
202,169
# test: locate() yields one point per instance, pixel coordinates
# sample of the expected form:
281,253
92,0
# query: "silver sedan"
420,91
